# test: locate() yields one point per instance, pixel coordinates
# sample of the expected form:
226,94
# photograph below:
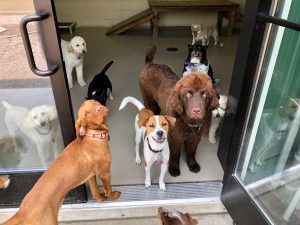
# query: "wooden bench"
221,6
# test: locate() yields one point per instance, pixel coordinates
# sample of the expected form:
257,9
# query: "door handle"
26,41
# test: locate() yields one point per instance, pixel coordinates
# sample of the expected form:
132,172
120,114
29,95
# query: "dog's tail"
6,105
133,100
106,67
150,54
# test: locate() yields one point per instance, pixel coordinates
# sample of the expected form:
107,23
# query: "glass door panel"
269,163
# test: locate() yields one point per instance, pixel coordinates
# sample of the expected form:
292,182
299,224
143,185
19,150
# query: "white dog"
203,33
154,129
40,124
73,56
217,116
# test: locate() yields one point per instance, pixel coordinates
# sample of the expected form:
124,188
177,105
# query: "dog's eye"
34,117
83,44
164,124
151,125
77,45
188,95
43,113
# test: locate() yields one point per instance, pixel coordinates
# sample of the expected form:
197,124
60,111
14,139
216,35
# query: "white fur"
150,157
217,116
203,33
73,56
40,124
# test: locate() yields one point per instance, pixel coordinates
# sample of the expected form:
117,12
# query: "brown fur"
3,180
81,161
173,217
162,90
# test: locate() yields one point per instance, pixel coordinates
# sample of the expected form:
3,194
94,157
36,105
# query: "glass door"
36,115
262,182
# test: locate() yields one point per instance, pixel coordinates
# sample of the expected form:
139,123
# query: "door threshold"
136,201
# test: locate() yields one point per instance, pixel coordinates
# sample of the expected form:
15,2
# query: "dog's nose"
102,109
218,115
160,133
43,123
83,51
196,110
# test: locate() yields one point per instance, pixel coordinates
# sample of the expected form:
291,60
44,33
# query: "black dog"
100,85
197,61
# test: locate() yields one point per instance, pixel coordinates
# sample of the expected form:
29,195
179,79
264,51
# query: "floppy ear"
171,120
69,47
80,127
174,105
144,116
215,99
28,122
52,113
191,220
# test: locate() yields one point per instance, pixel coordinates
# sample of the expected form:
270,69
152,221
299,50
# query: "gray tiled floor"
128,53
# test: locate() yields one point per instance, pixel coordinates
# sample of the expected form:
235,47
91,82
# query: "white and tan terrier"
154,129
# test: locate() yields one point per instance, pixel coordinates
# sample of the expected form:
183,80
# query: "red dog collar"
100,136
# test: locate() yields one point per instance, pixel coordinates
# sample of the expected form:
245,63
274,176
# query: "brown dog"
190,100
82,160
4,181
174,217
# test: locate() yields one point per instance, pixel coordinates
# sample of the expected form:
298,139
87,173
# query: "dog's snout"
160,133
218,115
43,123
83,51
102,109
196,110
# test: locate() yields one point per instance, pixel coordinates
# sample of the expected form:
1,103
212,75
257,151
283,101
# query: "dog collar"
154,151
99,136
196,126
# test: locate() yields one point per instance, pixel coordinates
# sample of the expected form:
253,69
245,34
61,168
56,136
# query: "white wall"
105,13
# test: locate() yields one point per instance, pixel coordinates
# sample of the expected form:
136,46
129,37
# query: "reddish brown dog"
4,181
174,217
82,160
190,100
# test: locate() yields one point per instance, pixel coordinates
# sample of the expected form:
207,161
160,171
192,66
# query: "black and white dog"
197,61
100,85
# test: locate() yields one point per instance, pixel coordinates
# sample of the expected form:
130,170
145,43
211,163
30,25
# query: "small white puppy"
40,124
217,116
154,129
73,56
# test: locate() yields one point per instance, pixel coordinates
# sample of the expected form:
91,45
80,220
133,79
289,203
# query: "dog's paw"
138,161
147,184
162,186
194,167
174,171
82,83
99,197
212,140
115,195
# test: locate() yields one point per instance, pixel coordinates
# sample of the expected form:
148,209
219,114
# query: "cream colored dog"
203,33
73,56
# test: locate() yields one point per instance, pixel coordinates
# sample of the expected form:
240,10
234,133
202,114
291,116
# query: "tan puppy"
4,181
87,156
203,33
174,217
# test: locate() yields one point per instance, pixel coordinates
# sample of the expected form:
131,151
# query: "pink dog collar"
100,136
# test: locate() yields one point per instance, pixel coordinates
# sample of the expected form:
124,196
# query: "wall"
16,7
105,13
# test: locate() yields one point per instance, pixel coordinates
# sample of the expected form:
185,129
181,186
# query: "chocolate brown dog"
87,156
174,217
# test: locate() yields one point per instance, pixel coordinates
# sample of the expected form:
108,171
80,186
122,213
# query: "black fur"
98,87
201,51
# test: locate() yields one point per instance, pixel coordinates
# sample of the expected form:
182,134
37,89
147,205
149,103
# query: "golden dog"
87,156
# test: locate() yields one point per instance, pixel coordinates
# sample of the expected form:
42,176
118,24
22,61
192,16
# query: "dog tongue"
158,162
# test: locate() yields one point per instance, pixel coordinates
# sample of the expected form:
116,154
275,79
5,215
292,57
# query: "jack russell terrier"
154,129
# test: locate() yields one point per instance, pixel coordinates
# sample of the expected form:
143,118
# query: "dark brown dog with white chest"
190,100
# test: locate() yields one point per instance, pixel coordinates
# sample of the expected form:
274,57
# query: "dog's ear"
28,122
174,105
215,99
171,120
191,220
144,116
51,110
80,127
69,47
